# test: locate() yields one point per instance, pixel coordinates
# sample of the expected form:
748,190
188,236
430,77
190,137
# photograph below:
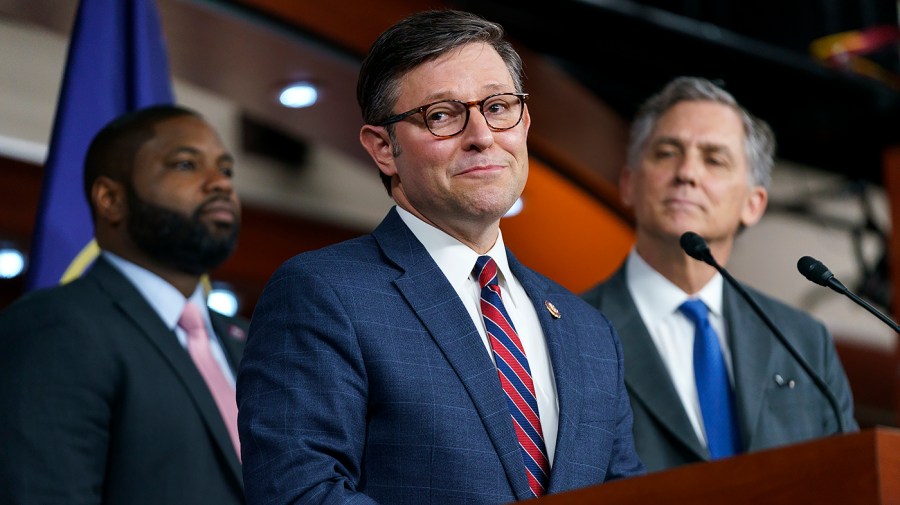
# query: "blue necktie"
713,386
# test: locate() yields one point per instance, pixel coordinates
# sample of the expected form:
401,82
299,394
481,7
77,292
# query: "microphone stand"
862,303
695,246
840,288
815,271
787,345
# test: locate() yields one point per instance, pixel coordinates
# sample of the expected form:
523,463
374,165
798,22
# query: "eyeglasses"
448,118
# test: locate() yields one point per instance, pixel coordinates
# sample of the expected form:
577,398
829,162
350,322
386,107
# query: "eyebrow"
667,141
710,148
185,149
226,156
447,95
706,147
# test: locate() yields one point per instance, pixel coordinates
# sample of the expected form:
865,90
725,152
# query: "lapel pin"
782,382
237,332
552,309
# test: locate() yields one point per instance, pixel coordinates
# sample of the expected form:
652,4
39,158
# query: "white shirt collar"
454,258
657,297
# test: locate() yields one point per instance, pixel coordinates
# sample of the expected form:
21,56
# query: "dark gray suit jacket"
99,403
771,412
365,380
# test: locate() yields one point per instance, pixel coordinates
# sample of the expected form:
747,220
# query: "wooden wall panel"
20,189
892,187
267,237
564,232
353,24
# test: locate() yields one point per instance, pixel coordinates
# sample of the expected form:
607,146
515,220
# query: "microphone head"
815,270
696,247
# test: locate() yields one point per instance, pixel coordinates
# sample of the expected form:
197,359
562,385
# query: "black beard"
173,239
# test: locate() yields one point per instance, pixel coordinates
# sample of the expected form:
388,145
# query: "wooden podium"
860,468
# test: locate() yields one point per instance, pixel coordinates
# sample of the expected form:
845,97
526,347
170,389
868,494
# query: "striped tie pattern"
515,375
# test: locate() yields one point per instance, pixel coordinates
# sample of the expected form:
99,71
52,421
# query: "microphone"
696,247
817,272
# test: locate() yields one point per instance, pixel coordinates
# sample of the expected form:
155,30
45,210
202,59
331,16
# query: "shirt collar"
658,297
163,297
454,258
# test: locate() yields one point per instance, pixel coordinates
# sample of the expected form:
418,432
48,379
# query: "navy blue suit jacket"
365,379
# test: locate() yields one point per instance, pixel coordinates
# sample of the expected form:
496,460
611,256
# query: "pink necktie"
198,347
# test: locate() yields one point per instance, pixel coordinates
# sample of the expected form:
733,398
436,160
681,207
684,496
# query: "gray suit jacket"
771,412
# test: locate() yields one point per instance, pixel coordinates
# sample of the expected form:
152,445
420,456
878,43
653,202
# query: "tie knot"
695,310
485,271
191,319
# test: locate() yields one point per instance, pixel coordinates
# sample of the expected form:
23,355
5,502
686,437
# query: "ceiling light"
298,95
12,262
222,299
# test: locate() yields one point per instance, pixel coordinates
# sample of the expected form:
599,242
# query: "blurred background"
824,73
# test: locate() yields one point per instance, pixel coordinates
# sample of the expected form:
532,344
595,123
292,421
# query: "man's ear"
109,200
376,141
526,118
754,206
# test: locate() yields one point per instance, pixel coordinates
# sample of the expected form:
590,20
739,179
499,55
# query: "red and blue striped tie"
515,375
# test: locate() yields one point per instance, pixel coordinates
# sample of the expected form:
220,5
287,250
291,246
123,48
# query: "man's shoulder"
54,300
341,259
63,311
779,309
594,295
613,284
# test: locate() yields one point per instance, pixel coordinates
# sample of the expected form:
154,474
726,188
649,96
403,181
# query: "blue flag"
116,63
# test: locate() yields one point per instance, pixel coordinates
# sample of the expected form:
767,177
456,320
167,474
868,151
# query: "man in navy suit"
369,376
100,401
698,161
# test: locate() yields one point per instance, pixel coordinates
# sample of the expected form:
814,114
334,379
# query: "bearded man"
118,388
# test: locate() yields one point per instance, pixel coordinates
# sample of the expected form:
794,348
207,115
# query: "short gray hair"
759,140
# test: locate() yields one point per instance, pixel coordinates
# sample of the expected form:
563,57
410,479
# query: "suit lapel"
646,375
565,361
751,345
231,336
151,327
427,291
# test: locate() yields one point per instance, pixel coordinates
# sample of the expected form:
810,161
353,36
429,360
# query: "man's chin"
222,231
677,226
676,230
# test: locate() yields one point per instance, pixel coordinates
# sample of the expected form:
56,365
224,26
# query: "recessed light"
298,95
12,262
223,299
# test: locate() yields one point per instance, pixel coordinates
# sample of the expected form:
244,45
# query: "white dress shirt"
456,260
657,300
